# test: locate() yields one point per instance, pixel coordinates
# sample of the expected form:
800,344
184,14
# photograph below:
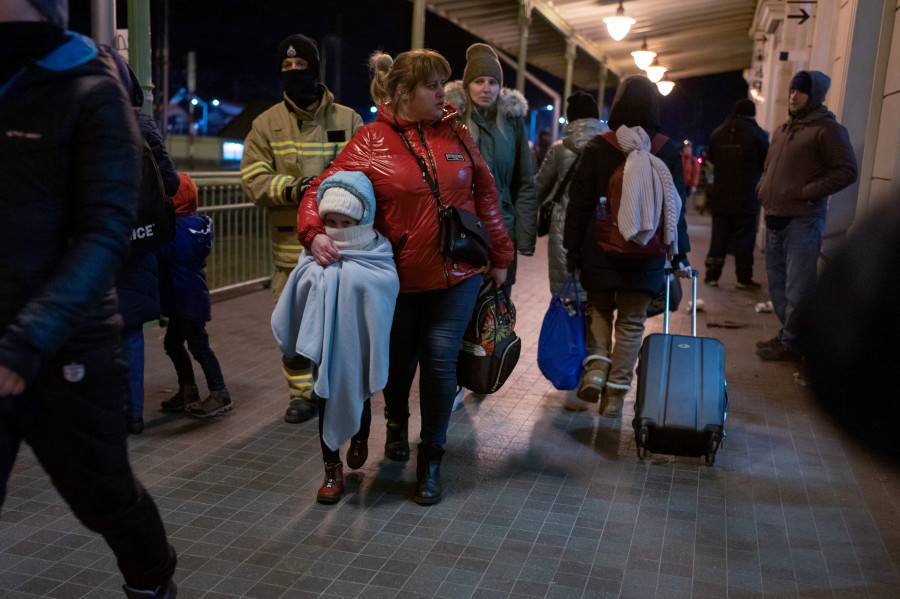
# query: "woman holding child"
414,130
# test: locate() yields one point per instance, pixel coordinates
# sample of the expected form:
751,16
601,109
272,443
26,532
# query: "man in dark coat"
737,150
69,162
810,158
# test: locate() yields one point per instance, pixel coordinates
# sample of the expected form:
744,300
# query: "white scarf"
647,191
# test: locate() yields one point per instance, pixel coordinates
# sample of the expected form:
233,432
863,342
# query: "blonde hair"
393,78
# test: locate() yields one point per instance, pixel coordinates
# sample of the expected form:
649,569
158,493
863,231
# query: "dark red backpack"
606,225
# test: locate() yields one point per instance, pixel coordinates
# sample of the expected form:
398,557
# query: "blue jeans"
791,258
427,331
194,333
133,346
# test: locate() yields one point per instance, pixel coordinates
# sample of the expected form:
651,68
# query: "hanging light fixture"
665,87
655,73
619,25
643,57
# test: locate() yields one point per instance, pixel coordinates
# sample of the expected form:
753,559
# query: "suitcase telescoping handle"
669,277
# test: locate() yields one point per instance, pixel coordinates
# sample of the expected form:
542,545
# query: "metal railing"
241,256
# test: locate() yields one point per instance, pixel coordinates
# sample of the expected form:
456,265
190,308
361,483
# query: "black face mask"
301,86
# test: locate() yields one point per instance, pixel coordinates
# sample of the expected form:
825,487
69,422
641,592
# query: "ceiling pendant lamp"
643,57
665,87
655,73
619,25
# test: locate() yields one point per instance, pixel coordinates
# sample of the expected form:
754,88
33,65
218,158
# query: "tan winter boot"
595,370
613,399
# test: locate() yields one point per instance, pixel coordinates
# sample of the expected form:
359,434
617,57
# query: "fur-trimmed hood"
510,103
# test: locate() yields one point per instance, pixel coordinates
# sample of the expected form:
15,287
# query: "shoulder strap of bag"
432,184
565,183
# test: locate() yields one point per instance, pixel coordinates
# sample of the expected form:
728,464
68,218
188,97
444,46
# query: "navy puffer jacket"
64,230
182,276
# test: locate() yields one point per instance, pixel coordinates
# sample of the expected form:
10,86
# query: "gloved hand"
681,267
297,191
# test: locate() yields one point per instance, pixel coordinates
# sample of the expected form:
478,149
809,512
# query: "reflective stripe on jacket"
288,147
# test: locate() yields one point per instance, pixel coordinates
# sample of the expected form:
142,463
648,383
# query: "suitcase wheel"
641,442
711,452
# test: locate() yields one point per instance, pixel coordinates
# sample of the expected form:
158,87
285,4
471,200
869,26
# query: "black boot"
713,270
428,475
396,442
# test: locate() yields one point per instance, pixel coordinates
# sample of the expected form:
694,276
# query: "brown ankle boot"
358,452
333,484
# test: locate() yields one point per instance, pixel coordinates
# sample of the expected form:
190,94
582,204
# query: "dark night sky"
236,41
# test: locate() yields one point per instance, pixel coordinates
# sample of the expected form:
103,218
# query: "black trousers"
180,331
330,456
734,234
72,417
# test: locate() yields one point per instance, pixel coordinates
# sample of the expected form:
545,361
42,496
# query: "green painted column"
139,50
418,25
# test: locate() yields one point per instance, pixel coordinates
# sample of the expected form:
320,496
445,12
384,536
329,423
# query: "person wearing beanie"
288,146
619,289
67,207
583,124
495,117
339,317
737,151
810,158
184,299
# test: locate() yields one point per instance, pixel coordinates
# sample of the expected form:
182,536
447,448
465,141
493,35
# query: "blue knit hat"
349,193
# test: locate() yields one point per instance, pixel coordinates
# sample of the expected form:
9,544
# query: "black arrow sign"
802,16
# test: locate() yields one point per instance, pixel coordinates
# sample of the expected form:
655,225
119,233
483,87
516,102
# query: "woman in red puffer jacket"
437,293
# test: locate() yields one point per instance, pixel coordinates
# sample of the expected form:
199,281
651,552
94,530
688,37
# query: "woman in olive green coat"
494,115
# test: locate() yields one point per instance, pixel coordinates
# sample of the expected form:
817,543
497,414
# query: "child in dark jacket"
184,298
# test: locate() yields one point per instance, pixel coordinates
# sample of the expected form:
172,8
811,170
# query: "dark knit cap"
300,46
581,105
802,82
636,105
744,107
55,11
481,61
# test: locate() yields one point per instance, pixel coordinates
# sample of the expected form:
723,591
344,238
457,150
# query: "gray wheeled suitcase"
681,393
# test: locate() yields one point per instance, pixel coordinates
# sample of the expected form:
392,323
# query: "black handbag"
463,236
546,211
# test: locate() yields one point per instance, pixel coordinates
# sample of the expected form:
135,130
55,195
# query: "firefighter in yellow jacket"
288,146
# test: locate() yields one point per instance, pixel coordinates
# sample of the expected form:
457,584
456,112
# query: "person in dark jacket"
737,150
619,289
184,298
810,158
69,162
138,282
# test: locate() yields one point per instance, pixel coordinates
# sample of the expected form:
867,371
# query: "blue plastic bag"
561,346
